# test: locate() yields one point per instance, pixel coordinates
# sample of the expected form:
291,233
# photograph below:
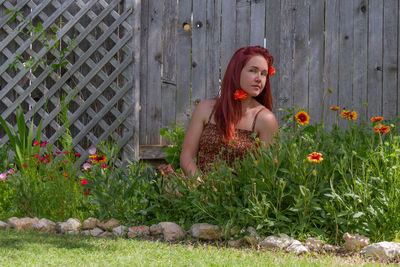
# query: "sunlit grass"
34,249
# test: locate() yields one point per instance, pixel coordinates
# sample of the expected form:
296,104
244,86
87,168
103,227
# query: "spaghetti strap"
212,112
255,118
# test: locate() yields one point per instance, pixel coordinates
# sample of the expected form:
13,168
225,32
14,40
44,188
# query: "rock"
205,231
90,223
314,244
109,225
85,232
142,230
120,231
45,226
236,243
105,234
252,231
96,232
155,229
382,250
72,232
251,240
171,231
3,225
355,242
71,226
277,242
234,231
297,248
21,224
329,248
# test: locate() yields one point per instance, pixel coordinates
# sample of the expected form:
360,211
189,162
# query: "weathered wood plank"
242,23
154,61
390,64
134,69
360,44
257,22
375,55
345,56
168,87
144,30
152,152
228,34
285,94
213,43
316,50
301,54
273,31
199,52
183,61
330,75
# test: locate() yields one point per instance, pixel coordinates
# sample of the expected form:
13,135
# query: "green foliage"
21,141
130,193
174,133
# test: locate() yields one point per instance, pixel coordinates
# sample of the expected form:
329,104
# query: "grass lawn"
34,249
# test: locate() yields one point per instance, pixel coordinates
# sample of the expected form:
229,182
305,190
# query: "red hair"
227,111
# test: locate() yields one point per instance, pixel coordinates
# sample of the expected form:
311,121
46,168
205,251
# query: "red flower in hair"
239,94
271,71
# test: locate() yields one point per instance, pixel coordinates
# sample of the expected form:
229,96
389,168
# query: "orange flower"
302,117
239,94
315,157
376,119
65,175
271,71
334,108
349,115
381,129
97,158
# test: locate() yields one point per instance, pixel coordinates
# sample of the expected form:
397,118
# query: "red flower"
239,94
334,108
65,175
302,117
66,152
44,143
46,156
376,119
58,152
98,159
86,192
25,165
77,154
271,71
36,143
104,166
381,129
315,157
41,159
35,156
47,160
90,162
51,176
66,161
84,182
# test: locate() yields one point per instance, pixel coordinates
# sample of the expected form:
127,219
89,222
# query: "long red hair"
227,111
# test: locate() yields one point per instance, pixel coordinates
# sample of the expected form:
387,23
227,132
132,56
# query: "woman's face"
254,75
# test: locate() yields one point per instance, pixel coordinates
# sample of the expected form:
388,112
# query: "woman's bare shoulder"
267,118
204,108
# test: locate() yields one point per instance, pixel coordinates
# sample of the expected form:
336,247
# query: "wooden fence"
138,65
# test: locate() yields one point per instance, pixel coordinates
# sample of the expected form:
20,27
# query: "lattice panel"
93,38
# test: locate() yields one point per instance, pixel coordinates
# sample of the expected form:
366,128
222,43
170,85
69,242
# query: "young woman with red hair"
223,127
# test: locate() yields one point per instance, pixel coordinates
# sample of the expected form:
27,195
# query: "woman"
224,127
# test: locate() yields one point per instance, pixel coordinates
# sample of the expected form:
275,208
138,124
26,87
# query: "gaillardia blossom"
381,129
376,119
349,115
334,108
302,118
315,157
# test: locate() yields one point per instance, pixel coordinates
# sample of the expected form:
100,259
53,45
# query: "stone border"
355,244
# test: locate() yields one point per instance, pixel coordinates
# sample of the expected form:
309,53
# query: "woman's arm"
266,126
190,145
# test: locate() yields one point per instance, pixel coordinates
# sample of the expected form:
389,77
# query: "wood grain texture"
375,56
228,33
